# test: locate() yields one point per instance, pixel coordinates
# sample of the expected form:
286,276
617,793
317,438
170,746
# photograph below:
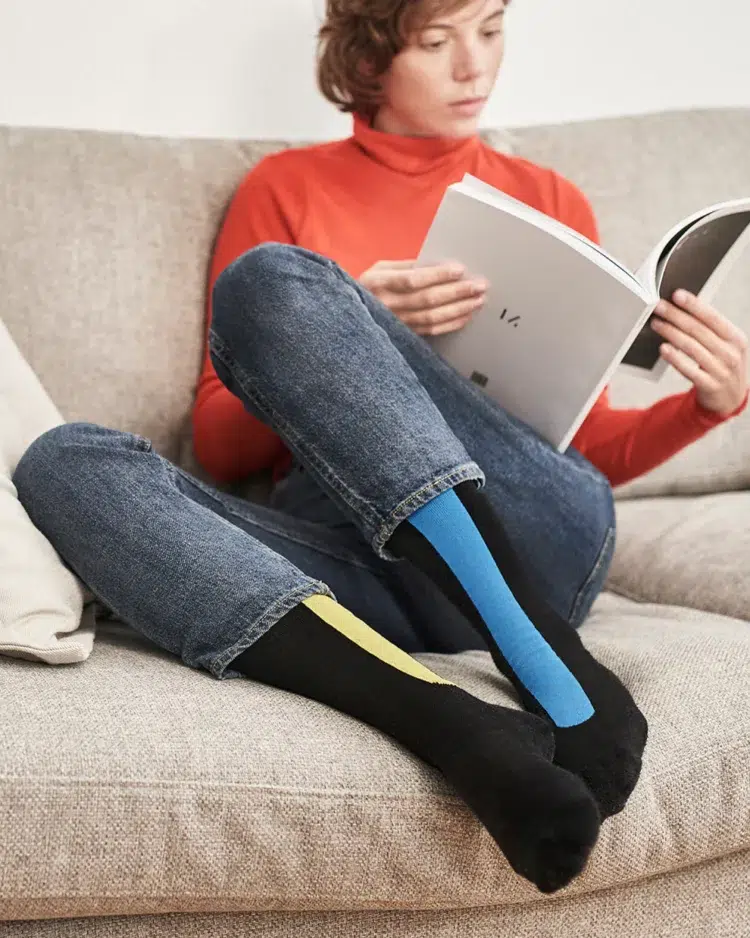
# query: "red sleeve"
625,444
229,442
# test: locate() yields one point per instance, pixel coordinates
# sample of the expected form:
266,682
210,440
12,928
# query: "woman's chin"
436,125
458,126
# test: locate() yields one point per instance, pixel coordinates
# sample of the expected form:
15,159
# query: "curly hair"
356,32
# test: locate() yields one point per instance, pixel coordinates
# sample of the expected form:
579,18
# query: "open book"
561,313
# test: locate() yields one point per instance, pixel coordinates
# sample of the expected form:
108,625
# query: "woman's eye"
492,33
434,45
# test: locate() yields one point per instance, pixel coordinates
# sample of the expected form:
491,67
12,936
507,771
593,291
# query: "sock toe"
607,757
557,849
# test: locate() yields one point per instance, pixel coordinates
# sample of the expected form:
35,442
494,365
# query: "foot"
606,750
541,816
599,732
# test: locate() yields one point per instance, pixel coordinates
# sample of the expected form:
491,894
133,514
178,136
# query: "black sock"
499,760
604,744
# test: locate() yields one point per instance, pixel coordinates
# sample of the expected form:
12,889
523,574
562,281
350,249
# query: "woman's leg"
355,413
557,510
426,618
155,552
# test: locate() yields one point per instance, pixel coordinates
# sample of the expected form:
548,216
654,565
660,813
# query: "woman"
324,372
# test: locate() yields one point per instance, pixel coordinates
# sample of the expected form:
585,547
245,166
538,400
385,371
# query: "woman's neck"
389,123
410,153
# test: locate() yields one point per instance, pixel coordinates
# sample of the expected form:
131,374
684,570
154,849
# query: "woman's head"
409,65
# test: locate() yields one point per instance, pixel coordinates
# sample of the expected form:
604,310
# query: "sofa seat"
156,789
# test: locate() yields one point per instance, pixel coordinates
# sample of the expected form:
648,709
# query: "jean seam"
583,591
361,506
342,555
266,620
429,491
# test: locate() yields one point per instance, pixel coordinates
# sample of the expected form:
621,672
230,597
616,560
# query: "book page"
647,272
698,253
521,209
554,322
693,259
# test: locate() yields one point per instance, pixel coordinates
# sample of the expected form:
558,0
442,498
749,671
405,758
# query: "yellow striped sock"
367,638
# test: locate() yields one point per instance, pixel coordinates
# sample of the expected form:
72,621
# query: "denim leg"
177,560
291,338
383,424
425,617
557,509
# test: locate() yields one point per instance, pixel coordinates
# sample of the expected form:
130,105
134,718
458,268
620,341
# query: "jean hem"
406,508
258,627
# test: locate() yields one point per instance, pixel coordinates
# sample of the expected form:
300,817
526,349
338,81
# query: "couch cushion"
158,789
705,901
685,551
643,174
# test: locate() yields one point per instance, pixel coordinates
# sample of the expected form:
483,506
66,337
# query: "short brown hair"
373,32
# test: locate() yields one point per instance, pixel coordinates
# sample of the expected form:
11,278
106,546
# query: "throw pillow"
42,613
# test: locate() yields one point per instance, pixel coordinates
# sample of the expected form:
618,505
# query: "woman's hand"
706,348
429,300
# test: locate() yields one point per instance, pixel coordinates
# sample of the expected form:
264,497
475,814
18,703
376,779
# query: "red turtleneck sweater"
372,197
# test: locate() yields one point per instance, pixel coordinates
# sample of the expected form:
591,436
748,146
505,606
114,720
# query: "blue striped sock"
449,528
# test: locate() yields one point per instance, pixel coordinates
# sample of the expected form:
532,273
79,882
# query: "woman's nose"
467,65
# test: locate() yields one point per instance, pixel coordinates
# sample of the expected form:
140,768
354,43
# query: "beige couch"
142,798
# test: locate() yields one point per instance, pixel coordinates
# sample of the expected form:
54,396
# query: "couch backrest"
105,242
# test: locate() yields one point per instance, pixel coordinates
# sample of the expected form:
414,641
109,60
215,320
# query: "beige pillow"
41,601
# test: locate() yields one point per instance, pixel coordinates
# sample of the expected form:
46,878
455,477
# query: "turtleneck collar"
412,156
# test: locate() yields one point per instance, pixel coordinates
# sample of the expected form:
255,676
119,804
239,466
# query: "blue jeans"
378,425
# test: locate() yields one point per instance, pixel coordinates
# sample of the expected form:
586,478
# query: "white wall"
244,68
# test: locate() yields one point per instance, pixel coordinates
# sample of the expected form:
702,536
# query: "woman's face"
439,83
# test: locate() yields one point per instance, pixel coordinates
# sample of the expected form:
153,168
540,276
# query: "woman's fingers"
684,342
437,297
443,319
393,279
417,279
429,300
452,325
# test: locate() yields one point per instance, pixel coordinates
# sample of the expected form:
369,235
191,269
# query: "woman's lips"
468,106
